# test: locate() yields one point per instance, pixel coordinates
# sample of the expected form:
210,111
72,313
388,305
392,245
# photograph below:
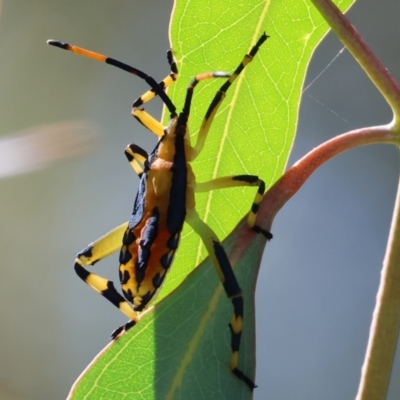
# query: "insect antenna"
108,60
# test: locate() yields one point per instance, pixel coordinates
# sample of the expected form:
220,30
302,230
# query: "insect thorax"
167,193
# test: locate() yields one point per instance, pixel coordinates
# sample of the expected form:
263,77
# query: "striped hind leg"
229,282
96,251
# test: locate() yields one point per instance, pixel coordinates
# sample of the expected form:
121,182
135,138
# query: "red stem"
294,178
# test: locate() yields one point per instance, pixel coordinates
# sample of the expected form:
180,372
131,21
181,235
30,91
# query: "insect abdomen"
145,262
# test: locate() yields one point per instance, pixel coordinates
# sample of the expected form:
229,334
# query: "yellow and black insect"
164,201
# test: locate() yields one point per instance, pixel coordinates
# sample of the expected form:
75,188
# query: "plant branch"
385,321
356,45
294,178
385,324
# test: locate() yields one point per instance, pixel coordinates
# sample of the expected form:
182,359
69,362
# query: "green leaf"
254,129
181,347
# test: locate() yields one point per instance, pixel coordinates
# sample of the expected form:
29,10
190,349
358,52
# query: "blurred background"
320,274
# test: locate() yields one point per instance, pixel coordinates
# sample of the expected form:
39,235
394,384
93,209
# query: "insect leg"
230,284
189,90
220,95
140,114
235,181
136,157
96,251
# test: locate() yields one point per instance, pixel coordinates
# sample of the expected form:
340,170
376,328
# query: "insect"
164,201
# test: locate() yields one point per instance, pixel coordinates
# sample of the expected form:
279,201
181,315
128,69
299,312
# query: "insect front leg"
96,251
235,181
140,114
136,157
229,282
